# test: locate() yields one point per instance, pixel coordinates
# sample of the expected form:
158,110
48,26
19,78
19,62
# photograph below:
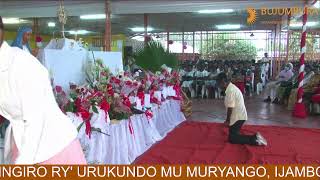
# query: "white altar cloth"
67,66
66,61
122,147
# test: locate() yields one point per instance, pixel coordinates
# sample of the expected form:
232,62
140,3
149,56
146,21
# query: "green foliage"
153,55
94,73
224,48
70,107
95,109
294,43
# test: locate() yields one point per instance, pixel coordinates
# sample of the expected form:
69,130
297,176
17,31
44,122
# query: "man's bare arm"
229,112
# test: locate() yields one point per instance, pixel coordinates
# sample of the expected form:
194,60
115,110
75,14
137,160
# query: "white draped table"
123,146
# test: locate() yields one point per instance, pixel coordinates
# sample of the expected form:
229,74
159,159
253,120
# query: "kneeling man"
237,114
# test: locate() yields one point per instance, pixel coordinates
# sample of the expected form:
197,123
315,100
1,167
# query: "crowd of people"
198,79
284,89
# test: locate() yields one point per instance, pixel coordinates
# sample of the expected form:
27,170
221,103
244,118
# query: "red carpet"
206,143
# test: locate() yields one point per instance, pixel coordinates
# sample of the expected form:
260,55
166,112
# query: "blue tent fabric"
18,41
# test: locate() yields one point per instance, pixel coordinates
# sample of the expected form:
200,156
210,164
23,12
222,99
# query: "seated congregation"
198,80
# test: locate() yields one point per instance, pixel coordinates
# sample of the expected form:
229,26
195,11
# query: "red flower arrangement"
104,94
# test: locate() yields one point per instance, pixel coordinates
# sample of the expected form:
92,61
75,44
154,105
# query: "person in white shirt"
187,84
201,75
263,74
182,73
266,60
285,75
211,82
237,114
39,132
267,71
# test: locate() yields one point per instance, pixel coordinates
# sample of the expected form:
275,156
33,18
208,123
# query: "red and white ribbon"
149,114
130,127
303,51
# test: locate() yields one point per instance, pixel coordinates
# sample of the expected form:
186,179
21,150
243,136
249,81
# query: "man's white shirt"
234,99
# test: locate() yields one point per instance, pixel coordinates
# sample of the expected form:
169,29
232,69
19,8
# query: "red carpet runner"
206,143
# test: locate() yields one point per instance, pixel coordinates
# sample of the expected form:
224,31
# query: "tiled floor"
259,113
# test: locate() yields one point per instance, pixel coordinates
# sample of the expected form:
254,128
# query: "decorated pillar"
108,34
300,109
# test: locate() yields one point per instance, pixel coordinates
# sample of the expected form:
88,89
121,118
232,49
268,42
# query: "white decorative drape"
122,147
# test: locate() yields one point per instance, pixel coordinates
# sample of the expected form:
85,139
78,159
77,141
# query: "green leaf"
94,109
98,130
70,107
92,101
79,127
73,95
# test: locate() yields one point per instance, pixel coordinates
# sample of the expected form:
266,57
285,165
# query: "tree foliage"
295,40
226,49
